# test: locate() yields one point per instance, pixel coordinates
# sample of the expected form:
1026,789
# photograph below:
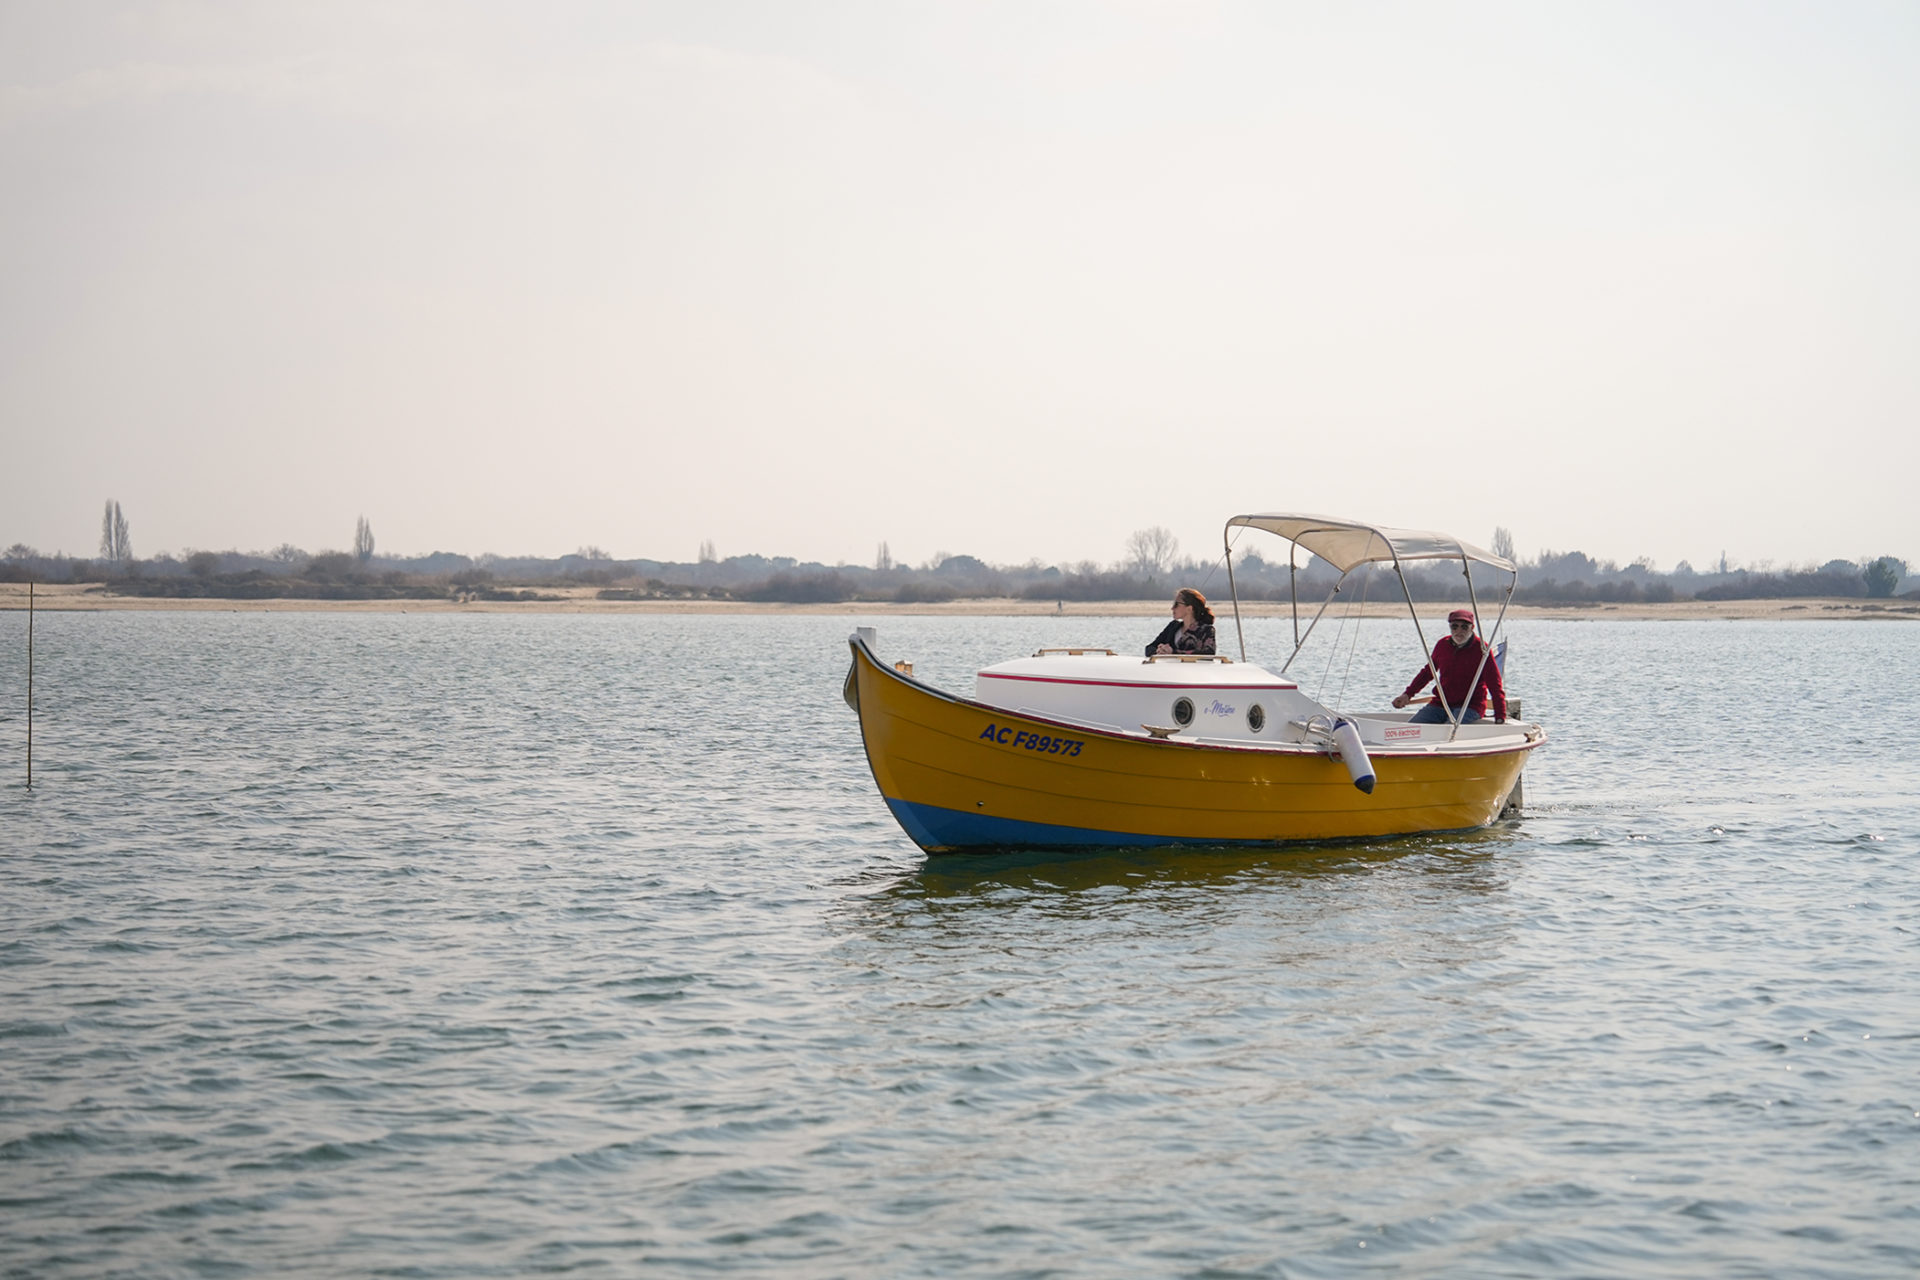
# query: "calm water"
484,946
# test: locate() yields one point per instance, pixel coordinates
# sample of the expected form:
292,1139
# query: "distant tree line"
1575,578
1150,566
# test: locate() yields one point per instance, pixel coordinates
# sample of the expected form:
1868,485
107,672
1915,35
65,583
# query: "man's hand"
1401,701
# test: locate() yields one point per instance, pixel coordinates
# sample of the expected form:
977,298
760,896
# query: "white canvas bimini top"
1345,543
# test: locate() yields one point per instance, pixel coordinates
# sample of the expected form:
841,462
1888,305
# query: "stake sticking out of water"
29,684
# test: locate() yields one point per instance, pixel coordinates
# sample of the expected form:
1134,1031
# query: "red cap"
1460,615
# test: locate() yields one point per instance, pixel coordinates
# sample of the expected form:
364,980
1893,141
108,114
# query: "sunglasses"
1459,626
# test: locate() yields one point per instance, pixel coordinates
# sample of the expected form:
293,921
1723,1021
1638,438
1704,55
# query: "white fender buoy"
1346,735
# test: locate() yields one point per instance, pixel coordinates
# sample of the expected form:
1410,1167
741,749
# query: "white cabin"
1195,698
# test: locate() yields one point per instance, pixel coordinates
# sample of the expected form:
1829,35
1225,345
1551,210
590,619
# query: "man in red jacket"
1458,658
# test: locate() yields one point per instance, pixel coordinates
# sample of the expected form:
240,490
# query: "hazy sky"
1007,279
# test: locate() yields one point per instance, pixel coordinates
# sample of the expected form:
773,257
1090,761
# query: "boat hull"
960,774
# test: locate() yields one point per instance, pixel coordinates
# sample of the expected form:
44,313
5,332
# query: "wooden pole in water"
29,684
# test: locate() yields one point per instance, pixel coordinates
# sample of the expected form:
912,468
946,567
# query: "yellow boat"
1087,747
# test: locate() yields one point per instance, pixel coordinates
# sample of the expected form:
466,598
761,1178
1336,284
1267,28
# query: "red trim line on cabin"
1137,684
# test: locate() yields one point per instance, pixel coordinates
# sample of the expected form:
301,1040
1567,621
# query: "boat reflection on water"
1465,858
1061,935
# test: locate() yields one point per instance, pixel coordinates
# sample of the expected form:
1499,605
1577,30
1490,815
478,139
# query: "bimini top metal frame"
1348,545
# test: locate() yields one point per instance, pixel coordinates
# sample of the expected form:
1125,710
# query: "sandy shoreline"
90,599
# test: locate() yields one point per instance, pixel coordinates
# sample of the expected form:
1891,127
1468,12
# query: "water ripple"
483,946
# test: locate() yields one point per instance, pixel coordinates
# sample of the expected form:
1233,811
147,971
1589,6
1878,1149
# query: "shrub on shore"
1086,585
1782,586
1551,592
655,589
809,588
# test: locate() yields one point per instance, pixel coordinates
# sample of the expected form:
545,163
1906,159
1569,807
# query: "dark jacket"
1198,640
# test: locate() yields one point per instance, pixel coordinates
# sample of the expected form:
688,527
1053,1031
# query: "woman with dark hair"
1191,630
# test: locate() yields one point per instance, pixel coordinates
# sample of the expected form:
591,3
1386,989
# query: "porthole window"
1183,712
1256,717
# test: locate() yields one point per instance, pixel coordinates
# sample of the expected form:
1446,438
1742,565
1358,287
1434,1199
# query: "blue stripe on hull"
935,828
